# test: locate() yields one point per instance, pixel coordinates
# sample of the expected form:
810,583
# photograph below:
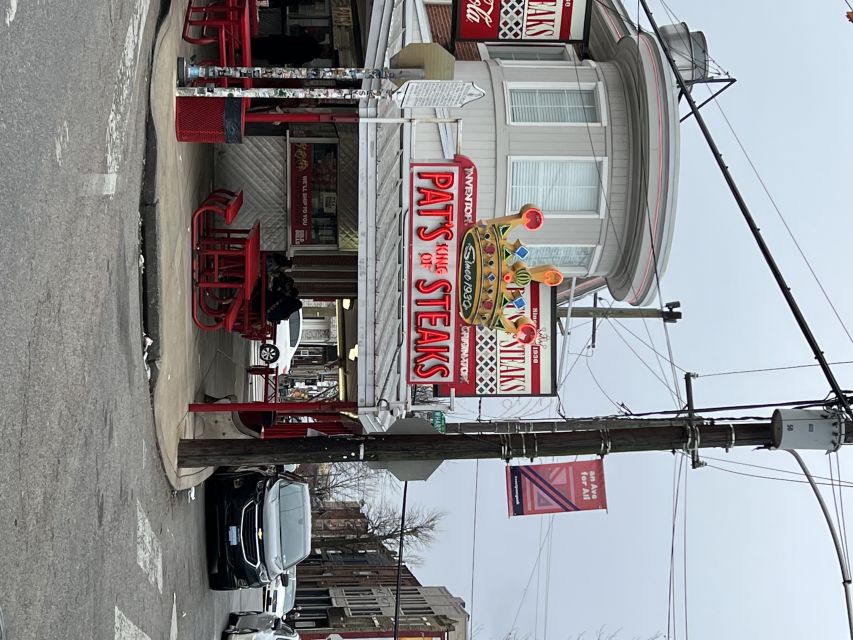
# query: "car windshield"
295,531
295,325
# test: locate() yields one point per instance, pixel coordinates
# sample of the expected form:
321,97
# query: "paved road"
92,543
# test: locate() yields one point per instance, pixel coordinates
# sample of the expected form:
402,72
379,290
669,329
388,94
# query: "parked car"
250,627
280,594
258,526
288,336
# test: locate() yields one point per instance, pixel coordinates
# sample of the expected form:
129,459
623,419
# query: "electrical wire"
841,500
400,563
618,406
783,220
766,369
677,466
761,477
845,570
841,483
676,397
684,555
474,545
548,579
675,390
530,578
648,346
674,18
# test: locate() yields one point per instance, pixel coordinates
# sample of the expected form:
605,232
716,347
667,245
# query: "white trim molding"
596,87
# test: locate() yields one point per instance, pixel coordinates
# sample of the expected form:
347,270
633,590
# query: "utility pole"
518,440
668,315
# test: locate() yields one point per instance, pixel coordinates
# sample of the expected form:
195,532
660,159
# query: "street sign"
446,94
439,422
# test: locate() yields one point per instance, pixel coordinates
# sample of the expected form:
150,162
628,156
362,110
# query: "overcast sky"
760,563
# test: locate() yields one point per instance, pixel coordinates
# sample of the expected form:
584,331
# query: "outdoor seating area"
228,269
229,25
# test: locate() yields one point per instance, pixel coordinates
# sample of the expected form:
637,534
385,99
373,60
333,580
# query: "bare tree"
419,531
381,526
343,481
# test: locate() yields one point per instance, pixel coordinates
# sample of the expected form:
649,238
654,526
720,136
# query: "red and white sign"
537,489
443,204
301,205
494,363
522,20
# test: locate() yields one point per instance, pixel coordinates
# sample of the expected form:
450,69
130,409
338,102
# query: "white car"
288,334
276,630
280,593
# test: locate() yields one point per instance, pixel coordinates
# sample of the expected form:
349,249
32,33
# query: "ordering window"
533,105
558,186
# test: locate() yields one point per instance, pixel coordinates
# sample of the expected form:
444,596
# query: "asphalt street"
92,542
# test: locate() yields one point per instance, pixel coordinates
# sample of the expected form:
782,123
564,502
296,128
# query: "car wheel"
269,353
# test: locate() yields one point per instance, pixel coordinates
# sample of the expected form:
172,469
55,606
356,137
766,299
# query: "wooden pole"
529,440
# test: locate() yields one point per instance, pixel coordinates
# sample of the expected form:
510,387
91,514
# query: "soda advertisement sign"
301,206
443,204
522,20
538,489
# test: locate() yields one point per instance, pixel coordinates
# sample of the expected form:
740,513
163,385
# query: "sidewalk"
187,363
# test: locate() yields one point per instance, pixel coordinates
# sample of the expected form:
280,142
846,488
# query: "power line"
684,554
618,406
766,369
671,633
845,570
548,581
530,578
841,482
782,219
843,521
648,346
761,477
764,249
474,545
675,396
400,563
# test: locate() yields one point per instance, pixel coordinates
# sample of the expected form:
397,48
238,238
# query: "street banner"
301,197
537,489
522,20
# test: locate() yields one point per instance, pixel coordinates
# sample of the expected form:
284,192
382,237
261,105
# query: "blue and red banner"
537,489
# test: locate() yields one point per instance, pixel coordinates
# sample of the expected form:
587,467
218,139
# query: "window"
558,53
567,258
570,106
556,185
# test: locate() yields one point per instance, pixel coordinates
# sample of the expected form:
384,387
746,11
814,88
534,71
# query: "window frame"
597,87
575,272
570,60
602,196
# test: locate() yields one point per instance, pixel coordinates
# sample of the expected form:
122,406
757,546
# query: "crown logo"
493,272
